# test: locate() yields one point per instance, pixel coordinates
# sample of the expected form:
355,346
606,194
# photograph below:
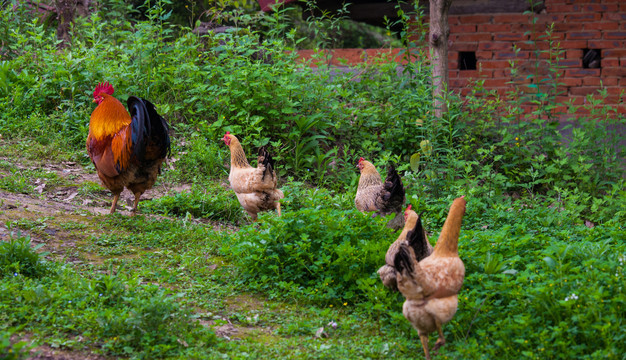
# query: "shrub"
316,254
18,258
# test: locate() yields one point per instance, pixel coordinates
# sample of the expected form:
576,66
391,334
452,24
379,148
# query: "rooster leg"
115,198
137,196
424,339
278,207
441,341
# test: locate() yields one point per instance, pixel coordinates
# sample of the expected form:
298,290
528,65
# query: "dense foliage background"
543,239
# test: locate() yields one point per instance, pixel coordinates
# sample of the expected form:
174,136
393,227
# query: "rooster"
374,195
255,187
415,236
431,286
127,149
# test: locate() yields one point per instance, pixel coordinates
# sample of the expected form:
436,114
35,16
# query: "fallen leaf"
69,198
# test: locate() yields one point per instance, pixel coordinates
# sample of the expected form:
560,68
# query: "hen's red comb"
408,208
103,87
228,133
361,160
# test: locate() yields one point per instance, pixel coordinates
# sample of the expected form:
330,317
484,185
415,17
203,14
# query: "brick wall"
578,27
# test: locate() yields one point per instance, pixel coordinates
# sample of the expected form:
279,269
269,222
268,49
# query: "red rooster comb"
103,87
408,208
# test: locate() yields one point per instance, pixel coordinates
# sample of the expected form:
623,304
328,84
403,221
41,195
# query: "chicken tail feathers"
448,242
148,129
418,241
402,261
266,160
394,195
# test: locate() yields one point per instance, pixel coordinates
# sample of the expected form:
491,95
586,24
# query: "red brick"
615,35
578,100
549,18
469,74
492,28
565,26
511,19
573,44
600,7
614,71
562,8
457,83
583,90
605,44
500,45
484,55
573,54
573,81
585,16
475,19
495,64
463,29
605,25
453,20
582,72
512,55
583,35
612,16
465,37
610,62
614,90
509,37
492,83
463,46
571,63
621,52
607,81
502,73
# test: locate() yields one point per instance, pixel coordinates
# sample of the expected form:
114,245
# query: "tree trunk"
65,14
439,32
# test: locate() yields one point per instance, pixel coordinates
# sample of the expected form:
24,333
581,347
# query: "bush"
315,254
18,258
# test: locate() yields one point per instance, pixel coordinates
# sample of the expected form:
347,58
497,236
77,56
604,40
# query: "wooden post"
439,32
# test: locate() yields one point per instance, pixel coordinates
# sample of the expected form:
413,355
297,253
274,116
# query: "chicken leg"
115,198
136,202
424,340
278,207
441,341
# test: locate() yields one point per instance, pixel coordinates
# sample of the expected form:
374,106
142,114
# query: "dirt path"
45,213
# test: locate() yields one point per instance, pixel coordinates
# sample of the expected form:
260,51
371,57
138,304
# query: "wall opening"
591,58
467,60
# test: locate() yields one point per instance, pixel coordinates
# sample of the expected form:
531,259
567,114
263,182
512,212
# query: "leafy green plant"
18,258
318,254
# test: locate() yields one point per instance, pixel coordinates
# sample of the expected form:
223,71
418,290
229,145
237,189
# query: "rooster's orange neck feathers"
448,243
108,118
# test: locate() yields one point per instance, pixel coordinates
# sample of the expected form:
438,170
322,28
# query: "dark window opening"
467,60
591,58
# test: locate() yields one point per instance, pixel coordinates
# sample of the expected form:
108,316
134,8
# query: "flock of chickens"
128,148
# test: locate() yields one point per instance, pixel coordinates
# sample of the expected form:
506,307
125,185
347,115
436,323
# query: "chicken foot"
441,341
115,198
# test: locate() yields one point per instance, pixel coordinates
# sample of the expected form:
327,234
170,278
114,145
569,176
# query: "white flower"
572,296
